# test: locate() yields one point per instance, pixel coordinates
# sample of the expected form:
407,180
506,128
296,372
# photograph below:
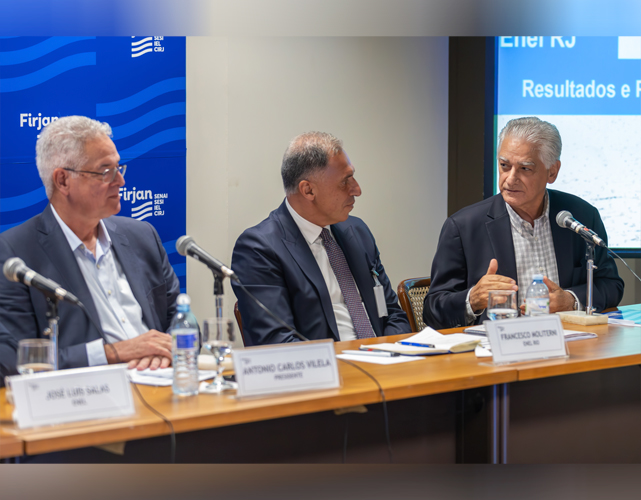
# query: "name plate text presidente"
300,366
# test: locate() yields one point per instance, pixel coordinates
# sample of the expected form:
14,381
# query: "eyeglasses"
108,175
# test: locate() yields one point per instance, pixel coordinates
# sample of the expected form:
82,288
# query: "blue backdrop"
136,84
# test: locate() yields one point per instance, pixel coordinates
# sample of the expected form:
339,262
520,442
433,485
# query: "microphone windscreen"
11,267
183,243
562,216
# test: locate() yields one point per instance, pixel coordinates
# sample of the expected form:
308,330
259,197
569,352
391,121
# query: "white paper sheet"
379,360
162,377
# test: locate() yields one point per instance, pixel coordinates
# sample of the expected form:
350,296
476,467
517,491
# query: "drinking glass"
35,355
216,335
501,304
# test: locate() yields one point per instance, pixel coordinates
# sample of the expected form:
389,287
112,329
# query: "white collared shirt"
311,232
118,310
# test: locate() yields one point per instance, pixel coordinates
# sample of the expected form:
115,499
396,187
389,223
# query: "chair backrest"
411,294
239,320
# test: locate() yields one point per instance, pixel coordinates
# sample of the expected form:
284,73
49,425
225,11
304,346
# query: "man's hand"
491,281
560,300
151,362
151,349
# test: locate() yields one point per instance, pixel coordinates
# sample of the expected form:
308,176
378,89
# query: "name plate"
526,339
299,366
63,396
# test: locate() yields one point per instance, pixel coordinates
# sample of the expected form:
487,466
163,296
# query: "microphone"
15,270
186,246
565,219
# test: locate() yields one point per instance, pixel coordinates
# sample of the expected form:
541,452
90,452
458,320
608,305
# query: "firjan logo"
146,45
142,47
144,203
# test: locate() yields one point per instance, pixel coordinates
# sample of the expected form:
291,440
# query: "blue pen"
417,345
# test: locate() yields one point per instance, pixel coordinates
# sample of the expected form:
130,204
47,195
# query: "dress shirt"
119,312
311,232
533,251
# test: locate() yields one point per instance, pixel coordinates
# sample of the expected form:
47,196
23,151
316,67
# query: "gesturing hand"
491,281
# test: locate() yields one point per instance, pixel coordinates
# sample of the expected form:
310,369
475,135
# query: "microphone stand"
218,295
589,255
52,330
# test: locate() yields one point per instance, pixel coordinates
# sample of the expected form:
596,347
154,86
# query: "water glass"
217,333
501,304
35,355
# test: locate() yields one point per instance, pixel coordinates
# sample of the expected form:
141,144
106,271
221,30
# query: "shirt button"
98,266
123,320
108,292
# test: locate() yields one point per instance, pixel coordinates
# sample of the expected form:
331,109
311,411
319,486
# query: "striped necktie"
337,260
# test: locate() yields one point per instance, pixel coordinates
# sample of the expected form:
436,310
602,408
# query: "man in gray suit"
116,266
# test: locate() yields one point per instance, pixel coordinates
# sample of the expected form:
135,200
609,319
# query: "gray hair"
62,145
533,130
307,154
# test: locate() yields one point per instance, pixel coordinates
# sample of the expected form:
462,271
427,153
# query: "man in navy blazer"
500,242
287,261
116,266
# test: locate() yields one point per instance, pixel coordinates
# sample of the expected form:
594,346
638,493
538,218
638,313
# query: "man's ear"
553,172
61,180
307,190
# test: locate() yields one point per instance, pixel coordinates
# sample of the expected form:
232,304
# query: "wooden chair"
411,294
239,320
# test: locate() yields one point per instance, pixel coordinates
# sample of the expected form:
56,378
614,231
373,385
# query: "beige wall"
247,97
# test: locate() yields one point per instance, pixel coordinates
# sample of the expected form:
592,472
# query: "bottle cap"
183,300
536,277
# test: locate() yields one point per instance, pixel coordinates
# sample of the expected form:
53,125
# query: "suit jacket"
274,262
42,245
476,234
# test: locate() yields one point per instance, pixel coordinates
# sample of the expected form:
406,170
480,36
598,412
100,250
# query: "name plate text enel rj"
300,366
526,339
63,396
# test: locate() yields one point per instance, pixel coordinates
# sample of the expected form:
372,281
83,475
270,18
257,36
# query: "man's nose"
512,175
356,189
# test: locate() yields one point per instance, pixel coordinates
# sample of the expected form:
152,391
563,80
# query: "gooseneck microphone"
186,246
15,270
565,219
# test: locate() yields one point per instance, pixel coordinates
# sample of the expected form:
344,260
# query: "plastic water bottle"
185,343
537,297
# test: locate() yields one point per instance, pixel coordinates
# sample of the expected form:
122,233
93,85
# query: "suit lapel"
302,255
130,263
358,264
564,242
56,247
500,234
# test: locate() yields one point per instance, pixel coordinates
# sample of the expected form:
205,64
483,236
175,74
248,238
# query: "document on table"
162,377
379,360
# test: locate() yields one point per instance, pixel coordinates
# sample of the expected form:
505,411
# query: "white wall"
247,97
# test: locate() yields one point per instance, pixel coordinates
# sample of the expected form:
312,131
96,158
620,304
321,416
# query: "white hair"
62,145
543,135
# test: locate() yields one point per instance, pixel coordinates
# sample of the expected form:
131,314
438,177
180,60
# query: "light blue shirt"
119,312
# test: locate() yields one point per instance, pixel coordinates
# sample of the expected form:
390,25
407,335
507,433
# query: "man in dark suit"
501,242
116,266
309,262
